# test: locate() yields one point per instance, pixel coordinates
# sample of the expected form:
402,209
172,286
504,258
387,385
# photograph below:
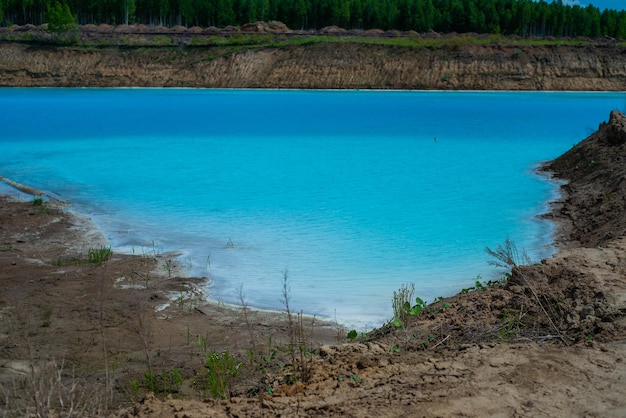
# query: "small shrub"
402,304
222,368
507,256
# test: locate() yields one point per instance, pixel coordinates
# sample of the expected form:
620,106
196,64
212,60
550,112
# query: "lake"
349,193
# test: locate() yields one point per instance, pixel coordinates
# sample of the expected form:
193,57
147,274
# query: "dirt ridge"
325,65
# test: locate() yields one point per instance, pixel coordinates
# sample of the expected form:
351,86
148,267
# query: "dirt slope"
343,65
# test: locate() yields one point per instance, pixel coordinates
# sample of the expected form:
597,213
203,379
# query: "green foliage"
135,386
482,285
222,367
352,335
417,308
97,256
402,308
166,382
402,304
507,17
62,23
40,205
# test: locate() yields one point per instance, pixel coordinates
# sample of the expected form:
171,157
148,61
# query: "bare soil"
549,341
279,58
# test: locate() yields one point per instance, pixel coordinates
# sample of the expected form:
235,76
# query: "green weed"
97,256
222,367
166,382
511,325
402,308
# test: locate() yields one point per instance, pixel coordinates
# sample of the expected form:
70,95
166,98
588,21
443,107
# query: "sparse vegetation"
41,205
95,257
164,383
222,368
507,256
402,308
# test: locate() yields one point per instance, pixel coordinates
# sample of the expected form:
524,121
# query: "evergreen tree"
522,17
62,23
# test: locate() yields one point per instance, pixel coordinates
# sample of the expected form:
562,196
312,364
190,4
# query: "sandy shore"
550,341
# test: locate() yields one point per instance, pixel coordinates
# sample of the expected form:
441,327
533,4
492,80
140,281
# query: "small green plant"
40,205
511,325
181,302
352,335
401,304
418,307
168,266
402,308
147,280
134,387
222,367
97,256
202,344
428,340
166,382
480,284
150,381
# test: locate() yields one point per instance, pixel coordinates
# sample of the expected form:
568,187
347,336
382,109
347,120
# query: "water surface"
352,193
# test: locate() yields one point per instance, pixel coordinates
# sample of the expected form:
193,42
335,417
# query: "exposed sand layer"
133,61
550,341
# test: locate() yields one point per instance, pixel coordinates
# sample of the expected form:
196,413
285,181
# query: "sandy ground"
130,337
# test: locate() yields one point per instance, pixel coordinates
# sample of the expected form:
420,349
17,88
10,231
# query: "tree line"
507,17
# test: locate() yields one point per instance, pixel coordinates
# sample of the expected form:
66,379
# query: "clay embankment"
344,65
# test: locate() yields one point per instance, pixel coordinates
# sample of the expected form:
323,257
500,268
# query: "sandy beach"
83,332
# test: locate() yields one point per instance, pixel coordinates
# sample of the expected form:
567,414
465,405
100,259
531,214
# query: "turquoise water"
351,192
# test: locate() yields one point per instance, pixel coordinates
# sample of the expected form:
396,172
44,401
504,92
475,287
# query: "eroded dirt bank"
345,65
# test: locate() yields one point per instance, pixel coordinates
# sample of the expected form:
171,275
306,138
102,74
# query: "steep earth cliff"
320,65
